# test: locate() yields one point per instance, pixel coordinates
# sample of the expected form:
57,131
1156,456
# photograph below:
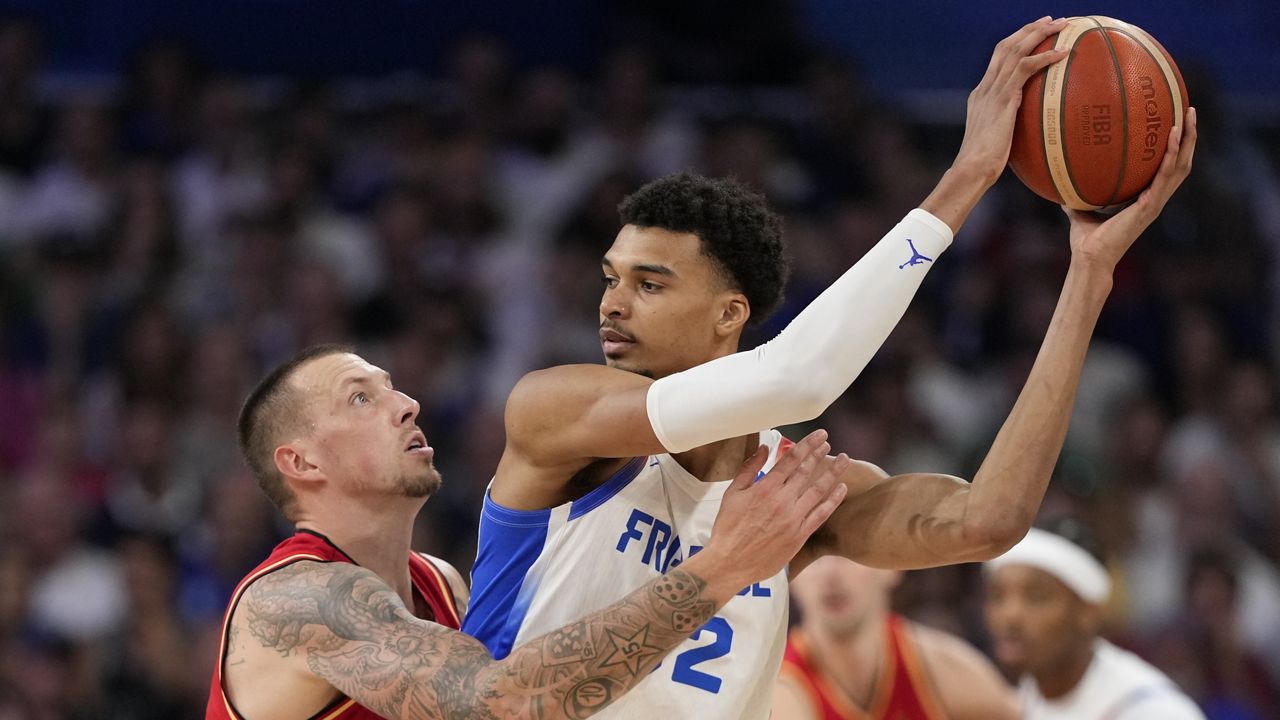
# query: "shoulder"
792,700
1147,692
1167,703
549,411
1122,667
457,584
303,579
562,381
293,574
967,683
304,591
268,641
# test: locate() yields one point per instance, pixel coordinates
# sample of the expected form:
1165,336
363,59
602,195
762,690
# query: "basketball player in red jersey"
851,658
343,621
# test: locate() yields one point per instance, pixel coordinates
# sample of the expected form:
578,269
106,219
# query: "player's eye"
359,399
649,286
609,281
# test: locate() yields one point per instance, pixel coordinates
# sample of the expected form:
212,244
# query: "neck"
852,660
1066,675
377,538
718,460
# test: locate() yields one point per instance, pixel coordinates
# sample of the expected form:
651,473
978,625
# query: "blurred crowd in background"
165,240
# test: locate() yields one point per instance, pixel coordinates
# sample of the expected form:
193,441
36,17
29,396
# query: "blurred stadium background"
191,191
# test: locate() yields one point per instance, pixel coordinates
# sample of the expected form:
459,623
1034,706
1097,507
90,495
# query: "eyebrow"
358,379
644,268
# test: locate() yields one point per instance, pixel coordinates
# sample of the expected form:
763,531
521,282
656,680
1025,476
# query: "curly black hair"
737,229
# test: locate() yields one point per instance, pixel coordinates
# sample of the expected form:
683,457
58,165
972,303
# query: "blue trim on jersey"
608,489
513,518
509,543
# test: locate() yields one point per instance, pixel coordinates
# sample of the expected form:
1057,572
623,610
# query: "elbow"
481,704
990,537
818,399
478,683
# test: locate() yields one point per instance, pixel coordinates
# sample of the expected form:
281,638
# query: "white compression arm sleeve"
795,376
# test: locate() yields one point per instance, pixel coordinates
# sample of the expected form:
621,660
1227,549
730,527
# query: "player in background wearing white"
1044,610
852,658
612,474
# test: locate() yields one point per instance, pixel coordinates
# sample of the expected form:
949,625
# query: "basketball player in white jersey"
612,474
1044,609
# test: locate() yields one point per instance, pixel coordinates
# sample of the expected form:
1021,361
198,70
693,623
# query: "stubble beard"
422,484
621,365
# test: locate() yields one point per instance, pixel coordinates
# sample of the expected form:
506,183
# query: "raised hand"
993,104
1103,241
761,525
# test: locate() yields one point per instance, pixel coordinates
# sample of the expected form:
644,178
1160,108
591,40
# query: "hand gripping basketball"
1103,241
993,104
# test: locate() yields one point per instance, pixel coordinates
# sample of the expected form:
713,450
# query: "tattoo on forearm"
684,593
355,632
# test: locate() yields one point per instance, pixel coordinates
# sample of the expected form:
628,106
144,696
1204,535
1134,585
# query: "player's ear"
292,462
734,313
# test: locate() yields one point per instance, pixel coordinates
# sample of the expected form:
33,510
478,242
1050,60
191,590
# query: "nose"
613,304
409,412
1004,614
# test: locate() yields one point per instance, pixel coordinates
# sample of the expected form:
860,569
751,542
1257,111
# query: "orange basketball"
1093,126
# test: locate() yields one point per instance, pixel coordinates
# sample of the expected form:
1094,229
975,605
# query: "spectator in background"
1044,609
1235,683
74,194
23,119
146,661
63,569
162,76
647,138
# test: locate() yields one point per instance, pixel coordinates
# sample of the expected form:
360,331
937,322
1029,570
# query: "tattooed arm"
344,625
353,631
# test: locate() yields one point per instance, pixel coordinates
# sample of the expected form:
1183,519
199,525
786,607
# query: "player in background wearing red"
852,658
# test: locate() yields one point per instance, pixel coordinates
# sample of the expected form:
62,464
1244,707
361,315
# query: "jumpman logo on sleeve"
916,257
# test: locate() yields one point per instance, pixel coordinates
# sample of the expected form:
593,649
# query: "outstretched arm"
923,520
344,625
560,419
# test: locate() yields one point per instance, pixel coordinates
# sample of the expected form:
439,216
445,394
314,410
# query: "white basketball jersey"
1117,686
538,570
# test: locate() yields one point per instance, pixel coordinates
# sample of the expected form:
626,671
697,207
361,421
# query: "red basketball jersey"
428,582
902,692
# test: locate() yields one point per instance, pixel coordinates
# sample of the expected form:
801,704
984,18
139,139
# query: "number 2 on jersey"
684,671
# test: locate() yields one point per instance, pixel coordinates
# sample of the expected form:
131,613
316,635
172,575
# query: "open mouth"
418,443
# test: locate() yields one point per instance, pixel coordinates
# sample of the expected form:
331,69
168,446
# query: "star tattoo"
631,651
